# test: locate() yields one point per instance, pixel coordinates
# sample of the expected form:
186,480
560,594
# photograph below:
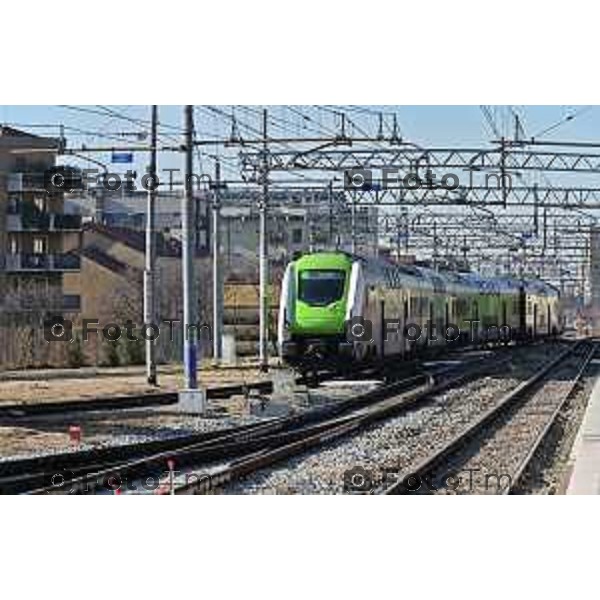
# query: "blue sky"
425,125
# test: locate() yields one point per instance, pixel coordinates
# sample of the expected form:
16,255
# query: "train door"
535,318
404,324
474,333
452,320
522,308
446,317
431,323
423,316
549,319
365,349
382,329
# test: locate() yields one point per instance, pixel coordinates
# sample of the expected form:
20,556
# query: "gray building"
299,219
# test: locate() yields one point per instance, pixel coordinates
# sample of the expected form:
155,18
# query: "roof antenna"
395,139
342,135
380,132
235,132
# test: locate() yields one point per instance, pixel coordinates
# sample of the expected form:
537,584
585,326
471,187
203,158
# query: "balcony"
24,182
18,263
21,221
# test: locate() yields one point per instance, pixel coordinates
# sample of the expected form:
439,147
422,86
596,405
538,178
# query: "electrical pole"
216,263
190,324
149,280
435,247
263,266
311,232
376,240
353,224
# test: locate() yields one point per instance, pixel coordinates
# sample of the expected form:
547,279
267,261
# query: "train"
342,307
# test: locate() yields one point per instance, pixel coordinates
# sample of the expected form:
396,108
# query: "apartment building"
299,219
38,242
126,209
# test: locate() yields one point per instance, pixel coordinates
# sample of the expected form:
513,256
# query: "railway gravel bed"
50,434
489,463
41,432
21,442
551,466
391,447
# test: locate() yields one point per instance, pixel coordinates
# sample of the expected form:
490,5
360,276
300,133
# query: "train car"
335,305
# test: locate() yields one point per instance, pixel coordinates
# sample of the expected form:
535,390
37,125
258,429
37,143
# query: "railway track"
382,445
240,450
14,411
90,471
390,405
150,399
492,453
28,474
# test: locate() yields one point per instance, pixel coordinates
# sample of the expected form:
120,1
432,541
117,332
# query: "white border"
231,52
298,547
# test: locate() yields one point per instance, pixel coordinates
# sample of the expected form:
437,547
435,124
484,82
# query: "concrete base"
269,409
228,350
284,385
192,401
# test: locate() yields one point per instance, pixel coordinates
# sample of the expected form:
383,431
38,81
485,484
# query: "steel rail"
87,468
528,458
90,467
426,466
22,410
328,432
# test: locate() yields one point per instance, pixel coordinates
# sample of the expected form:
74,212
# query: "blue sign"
122,157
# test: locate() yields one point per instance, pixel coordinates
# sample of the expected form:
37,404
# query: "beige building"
110,286
110,282
36,238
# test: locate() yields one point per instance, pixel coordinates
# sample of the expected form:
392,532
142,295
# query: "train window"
414,306
319,287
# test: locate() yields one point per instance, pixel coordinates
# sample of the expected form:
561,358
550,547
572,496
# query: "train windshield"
321,287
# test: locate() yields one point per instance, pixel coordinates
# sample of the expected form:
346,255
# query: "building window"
296,236
40,203
13,244
40,245
71,302
14,202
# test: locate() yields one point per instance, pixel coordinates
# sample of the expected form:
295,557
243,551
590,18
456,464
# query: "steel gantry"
495,207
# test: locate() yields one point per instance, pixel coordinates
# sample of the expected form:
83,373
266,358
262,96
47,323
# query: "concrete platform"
585,477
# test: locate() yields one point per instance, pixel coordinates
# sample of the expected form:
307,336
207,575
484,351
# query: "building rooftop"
136,240
12,136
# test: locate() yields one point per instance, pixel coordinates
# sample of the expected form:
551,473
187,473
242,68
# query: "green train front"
314,305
